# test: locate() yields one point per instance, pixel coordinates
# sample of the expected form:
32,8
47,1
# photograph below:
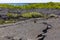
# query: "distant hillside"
31,5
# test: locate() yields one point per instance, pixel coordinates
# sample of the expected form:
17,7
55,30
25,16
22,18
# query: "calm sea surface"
18,4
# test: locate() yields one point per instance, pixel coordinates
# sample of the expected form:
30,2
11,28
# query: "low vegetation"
2,21
31,15
6,21
52,16
14,16
9,21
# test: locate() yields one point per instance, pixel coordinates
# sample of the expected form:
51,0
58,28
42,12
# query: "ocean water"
18,4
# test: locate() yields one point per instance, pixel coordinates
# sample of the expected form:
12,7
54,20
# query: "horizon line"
28,2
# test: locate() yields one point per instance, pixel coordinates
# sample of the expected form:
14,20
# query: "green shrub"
31,15
35,14
2,21
52,15
8,21
12,15
9,15
26,15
